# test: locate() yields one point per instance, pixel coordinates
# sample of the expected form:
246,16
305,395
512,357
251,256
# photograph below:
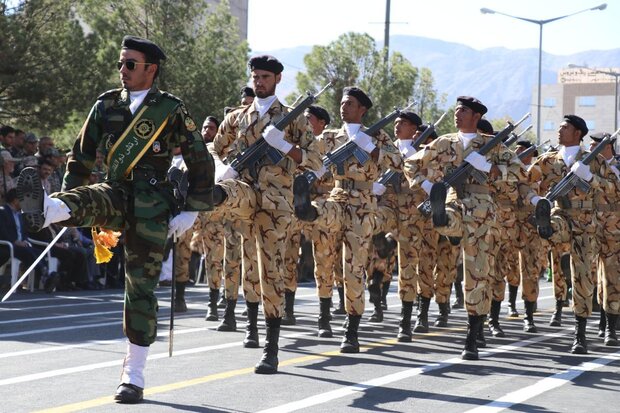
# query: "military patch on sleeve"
189,123
506,156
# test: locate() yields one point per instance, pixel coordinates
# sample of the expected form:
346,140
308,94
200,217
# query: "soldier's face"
465,119
247,100
351,110
141,77
404,129
316,124
568,135
265,82
208,131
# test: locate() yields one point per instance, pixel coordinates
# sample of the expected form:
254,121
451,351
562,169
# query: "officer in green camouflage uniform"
138,199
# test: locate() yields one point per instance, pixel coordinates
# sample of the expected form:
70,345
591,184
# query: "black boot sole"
31,194
301,199
438,204
542,216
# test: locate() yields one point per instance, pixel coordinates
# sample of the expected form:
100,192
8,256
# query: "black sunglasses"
130,64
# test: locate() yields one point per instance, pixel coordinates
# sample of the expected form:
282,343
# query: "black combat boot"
229,323
325,329
596,307
350,344
404,326
268,364
556,318
219,195
512,299
470,352
384,293
289,309
377,314
374,287
421,323
179,297
602,323
481,342
542,215
459,301
340,309
494,327
444,311
610,332
214,295
528,321
580,345
251,327
222,302
304,210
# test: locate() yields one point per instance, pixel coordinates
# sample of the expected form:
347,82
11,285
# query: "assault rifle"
254,154
571,180
514,137
394,178
350,149
457,178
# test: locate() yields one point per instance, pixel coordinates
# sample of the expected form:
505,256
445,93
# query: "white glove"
378,189
404,145
582,171
320,172
478,161
363,141
223,171
181,223
535,199
427,185
275,138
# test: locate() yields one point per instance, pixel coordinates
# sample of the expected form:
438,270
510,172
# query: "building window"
549,125
549,103
588,101
591,125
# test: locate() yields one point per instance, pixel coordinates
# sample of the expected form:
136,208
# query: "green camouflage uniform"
141,206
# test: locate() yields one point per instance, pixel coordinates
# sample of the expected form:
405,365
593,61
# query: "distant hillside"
501,78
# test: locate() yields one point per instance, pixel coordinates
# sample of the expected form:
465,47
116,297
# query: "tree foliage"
57,56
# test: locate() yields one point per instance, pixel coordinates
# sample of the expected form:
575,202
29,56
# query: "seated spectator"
13,230
7,182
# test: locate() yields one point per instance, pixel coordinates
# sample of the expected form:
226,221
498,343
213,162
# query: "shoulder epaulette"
171,96
112,93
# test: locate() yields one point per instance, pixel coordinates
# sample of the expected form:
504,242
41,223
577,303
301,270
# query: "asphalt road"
64,352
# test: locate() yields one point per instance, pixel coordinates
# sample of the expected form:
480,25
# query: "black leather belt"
150,175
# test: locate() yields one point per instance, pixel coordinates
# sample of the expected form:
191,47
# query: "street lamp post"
616,75
540,24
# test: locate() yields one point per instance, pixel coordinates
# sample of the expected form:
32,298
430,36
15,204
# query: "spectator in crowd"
46,168
28,157
17,150
13,230
45,144
7,135
7,166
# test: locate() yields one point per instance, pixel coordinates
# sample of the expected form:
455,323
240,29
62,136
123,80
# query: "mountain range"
503,79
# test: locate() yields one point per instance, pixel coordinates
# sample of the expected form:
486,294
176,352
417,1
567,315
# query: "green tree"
353,59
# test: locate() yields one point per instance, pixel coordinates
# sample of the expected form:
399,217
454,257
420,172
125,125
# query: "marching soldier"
140,121
349,212
272,189
465,218
607,205
573,218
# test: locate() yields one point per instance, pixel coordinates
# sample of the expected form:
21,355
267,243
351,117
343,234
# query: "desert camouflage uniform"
208,240
573,223
272,191
141,207
470,217
349,211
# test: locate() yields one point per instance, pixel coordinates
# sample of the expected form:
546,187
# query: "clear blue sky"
277,24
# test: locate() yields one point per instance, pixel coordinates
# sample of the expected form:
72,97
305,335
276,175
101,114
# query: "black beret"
472,103
266,62
597,137
358,94
319,112
423,127
525,144
578,123
150,49
411,117
247,91
485,126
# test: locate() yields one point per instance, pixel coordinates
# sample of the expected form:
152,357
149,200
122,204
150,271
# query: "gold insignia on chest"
144,128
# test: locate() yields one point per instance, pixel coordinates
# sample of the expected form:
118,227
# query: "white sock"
133,367
54,210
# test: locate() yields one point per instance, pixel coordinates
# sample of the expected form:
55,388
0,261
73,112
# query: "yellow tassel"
104,240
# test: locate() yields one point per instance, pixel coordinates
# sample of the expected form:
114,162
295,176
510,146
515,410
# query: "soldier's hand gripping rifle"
394,178
350,149
571,180
513,137
251,158
457,178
